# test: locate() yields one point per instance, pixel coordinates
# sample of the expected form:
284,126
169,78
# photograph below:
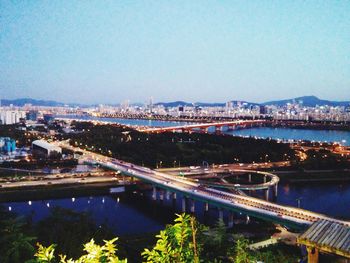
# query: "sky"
213,51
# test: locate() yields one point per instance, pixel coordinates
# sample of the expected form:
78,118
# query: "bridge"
270,181
205,126
290,216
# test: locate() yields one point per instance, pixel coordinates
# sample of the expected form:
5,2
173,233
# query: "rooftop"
328,236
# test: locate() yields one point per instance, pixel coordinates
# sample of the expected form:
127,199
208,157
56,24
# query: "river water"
135,212
342,137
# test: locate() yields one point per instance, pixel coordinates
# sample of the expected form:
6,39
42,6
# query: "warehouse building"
45,149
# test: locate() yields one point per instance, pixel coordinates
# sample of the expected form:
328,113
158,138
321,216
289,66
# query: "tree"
94,254
177,243
240,252
15,245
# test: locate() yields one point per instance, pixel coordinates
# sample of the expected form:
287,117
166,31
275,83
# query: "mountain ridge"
309,101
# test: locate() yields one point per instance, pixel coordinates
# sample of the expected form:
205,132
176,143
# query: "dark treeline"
173,149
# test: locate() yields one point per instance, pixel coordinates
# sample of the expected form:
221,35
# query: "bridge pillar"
183,204
193,208
267,194
174,195
250,178
265,179
230,220
161,195
206,207
312,255
154,193
247,220
167,195
276,190
221,214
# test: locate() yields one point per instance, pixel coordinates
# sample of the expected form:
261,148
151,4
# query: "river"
135,212
342,137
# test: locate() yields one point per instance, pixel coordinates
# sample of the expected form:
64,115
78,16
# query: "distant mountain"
34,102
174,104
308,101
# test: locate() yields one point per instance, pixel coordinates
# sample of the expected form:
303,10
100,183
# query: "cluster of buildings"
231,109
318,113
8,117
289,111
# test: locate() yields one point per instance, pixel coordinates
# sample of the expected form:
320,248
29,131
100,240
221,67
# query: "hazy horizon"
110,51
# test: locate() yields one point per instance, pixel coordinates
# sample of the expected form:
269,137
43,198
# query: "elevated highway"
204,126
290,216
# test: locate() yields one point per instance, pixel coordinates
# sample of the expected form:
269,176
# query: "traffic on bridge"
196,191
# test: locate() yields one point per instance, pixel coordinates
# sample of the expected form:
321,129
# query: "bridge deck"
328,236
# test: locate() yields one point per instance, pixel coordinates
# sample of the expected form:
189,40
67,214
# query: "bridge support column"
193,208
312,255
174,196
206,207
167,195
183,204
221,214
250,178
161,195
230,220
154,193
247,220
267,194
276,190
264,179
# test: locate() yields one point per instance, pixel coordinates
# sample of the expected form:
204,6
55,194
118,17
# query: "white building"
8,117
45,148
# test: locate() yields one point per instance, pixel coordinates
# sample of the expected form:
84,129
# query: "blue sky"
111,51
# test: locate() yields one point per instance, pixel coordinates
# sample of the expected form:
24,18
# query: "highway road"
58,180
246,204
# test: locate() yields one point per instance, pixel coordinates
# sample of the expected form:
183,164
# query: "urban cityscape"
152,132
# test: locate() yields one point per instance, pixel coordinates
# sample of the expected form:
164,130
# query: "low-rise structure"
43,148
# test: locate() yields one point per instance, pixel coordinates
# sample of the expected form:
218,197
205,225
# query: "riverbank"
60,191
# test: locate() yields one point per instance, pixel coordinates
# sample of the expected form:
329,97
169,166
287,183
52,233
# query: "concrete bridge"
205,126
293,217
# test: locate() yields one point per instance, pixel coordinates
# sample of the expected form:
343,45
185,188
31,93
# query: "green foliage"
241,253
216,239
177,243
94,253
175,148
15,245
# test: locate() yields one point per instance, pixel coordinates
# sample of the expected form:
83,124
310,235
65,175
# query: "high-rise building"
8,117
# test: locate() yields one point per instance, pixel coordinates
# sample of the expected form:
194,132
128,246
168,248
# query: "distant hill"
308,101
34,102
174,104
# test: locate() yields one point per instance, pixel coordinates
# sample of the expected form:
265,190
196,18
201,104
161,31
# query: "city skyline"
193,51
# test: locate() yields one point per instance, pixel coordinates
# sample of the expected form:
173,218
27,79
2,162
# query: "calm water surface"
264,132
135,212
